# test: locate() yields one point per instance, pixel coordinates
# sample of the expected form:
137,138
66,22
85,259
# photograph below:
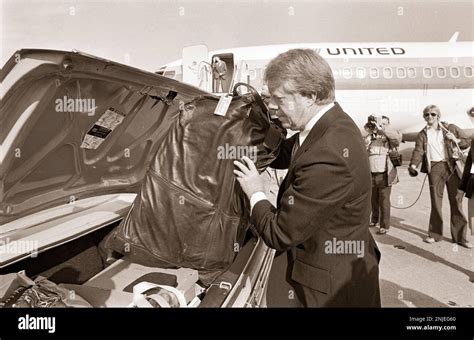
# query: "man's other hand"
412,170
248,177
452,137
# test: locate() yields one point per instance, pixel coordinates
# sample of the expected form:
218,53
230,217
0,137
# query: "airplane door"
228,58
196,68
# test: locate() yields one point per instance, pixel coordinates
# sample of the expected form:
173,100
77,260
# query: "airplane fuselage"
393,79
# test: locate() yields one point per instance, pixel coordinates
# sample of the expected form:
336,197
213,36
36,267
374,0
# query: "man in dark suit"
323,205
219,70
467,185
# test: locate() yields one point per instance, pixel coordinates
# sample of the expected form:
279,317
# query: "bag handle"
256,96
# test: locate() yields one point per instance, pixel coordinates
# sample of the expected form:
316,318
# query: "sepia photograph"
309,159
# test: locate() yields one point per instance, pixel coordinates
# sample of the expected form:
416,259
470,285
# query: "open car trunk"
77,136
78,265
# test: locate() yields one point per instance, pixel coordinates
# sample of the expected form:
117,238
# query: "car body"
77,134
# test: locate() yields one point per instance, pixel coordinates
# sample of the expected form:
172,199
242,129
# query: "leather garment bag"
191,211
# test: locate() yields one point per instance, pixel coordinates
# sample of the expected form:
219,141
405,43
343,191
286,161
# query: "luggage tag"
223,105
272,139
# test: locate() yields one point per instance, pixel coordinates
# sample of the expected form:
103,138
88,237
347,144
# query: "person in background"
380,140
433,150
467,185
219,70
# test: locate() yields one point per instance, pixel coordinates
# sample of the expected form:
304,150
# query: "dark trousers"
439,176
218,85
381,200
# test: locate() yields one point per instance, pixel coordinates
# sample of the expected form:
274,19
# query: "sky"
149,33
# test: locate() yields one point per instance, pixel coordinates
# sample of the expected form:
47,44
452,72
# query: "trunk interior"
83,262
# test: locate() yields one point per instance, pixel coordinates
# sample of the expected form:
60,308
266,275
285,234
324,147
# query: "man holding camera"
381,139
433,150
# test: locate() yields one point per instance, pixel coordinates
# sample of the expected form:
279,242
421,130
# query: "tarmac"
412,273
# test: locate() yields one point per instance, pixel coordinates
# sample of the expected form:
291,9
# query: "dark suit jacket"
467,180
219,70
325,199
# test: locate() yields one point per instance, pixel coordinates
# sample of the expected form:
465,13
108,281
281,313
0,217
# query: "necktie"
296,146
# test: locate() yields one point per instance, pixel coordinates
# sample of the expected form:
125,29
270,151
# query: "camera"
374,122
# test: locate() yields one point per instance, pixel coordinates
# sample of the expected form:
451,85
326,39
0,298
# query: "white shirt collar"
313,121
430,127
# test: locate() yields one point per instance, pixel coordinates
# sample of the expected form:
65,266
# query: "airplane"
396,79
62,190
58,201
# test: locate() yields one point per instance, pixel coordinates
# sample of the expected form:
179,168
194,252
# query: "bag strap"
141,301
390,147
447,131
141,288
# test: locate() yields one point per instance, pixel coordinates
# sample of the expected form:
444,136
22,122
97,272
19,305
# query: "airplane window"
468,71
401,72
427,72
441,72
387,72
374,72
361,72
454,72
347,73
411,72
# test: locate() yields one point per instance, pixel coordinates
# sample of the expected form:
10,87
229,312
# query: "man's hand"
412,170
452,137
248,177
